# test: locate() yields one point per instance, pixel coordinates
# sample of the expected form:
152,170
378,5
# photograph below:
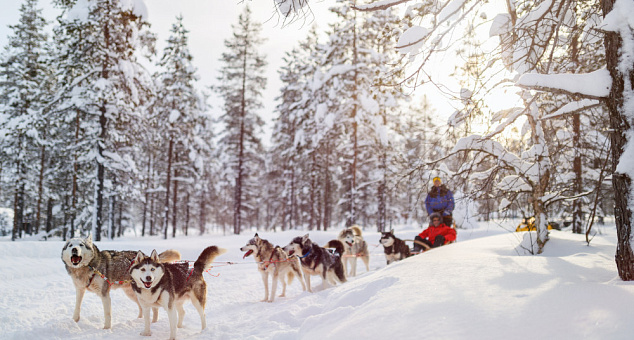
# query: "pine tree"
26,80
177,111
105,87
242,81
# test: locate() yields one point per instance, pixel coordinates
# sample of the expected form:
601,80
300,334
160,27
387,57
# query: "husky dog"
395,249
316,260
169,285
273,260
355,247
99,271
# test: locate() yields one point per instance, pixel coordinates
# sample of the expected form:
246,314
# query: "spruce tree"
105,90
24,91
241,84
177,111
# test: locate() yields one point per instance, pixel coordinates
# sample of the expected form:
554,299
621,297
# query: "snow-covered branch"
378,5
574,107
594,85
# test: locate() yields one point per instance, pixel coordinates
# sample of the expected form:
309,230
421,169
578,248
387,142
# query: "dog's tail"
169,255
356,230
206,258
290,276
337,245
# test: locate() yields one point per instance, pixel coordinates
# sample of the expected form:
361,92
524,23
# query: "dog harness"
96,272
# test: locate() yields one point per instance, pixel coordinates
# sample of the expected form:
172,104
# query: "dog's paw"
146,333
76,318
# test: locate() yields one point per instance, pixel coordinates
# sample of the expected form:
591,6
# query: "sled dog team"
159,280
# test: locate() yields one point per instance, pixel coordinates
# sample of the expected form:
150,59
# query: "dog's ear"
139,257
305,238
256,236
392,231
89,238
154,256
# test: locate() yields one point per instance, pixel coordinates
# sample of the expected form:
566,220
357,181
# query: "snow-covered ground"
477,288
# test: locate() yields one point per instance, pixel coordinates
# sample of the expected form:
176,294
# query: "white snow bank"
476,288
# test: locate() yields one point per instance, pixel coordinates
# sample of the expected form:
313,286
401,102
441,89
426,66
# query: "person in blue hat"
440,200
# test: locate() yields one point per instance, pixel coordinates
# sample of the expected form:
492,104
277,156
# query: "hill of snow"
481,287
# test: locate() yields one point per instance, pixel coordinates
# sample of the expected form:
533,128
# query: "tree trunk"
313,193
175,200
352,192
101,171
49,215
237,203
577,206
147,194
203,217
619,127
167,189
40,189
152,215
73,211
120,221
111,217
327,190
186,226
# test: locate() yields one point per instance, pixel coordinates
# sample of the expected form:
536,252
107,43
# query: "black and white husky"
169,285
395,249
275,261
355,247
100,271
316,260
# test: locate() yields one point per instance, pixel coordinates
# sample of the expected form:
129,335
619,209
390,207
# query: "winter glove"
439,241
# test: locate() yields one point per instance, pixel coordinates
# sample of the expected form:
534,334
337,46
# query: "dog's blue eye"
152,269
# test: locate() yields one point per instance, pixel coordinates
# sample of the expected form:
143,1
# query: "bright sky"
209,23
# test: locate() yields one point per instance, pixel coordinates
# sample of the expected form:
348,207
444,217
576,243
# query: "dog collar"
301,257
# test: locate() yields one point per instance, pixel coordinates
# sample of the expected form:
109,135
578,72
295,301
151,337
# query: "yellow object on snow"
528,224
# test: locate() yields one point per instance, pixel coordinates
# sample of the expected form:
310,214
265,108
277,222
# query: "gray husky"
355,247
169,285
316,260
273,260
99,271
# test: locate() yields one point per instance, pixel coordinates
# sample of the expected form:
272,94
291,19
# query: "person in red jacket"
436,235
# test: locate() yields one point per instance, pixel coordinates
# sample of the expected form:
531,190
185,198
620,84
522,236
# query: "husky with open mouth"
169,285
274,261
100,271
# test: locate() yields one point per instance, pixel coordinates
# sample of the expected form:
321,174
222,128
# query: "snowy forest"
93,141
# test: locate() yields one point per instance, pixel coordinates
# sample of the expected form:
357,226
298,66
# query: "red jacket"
431,233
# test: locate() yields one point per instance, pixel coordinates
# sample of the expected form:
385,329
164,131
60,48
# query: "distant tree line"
93,141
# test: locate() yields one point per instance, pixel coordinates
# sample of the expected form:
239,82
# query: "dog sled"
528,224
425,246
